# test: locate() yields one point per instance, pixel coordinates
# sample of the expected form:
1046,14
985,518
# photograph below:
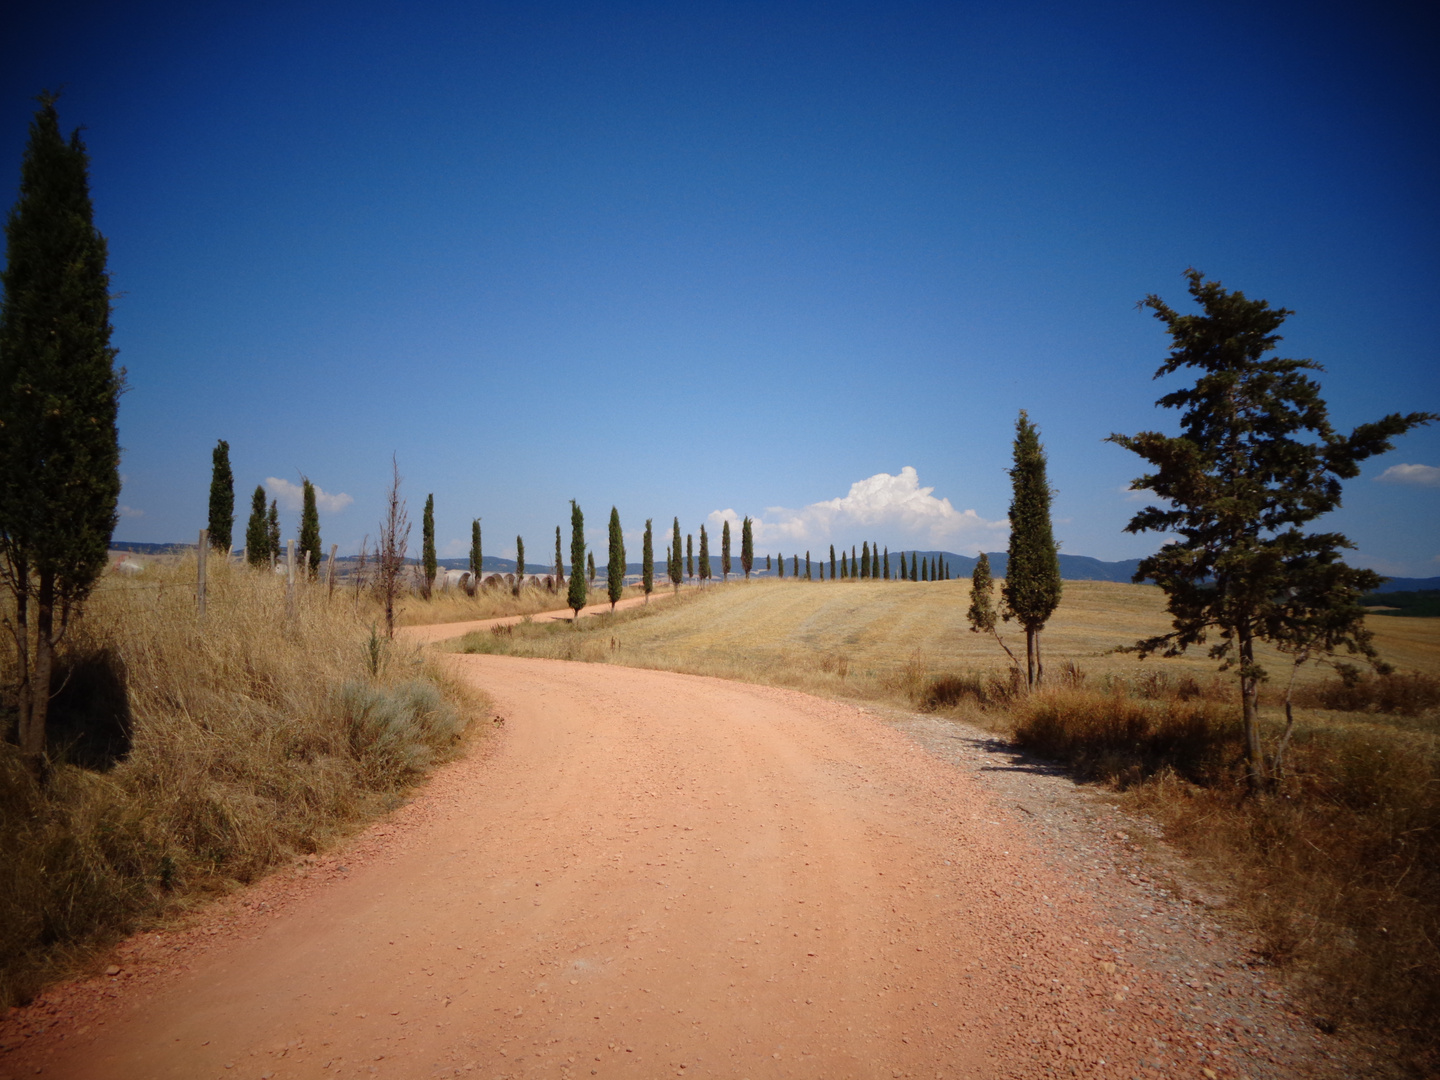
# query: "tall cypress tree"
272,531
559,560
832,562
577,593
854,565
795,567
725,552
747,546
914,564
676,567
704,555
59,395
427,545
519,563
865,560
477,560
807,566
310,528
590,568
780,562
647,556
257,536
222,499
615,571
767,563
690,556
875,560
886,564
1032,573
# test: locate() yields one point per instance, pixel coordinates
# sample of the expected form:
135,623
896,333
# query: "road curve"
648,874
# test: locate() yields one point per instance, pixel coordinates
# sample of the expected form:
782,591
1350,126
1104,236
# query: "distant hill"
1419,603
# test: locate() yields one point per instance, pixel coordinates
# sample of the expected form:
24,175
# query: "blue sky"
758,258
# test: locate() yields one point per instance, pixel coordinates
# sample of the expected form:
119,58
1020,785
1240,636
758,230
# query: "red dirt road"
648,874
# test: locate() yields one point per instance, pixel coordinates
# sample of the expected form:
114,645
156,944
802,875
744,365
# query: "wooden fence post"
290,578
330,571
200,552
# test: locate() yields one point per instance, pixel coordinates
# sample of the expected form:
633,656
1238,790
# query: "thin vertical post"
200,553
290,578
330,571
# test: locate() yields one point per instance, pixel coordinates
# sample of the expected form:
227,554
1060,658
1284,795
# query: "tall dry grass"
266,732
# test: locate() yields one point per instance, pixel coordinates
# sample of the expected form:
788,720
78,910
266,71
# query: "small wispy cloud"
1138,494
129,511
1413,475
890,502
292,496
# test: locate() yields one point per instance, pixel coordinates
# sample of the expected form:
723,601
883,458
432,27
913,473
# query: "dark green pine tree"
1032,572
309,528
257,535
427,545
832,562
676,567
1256,460
690,556
59,395
222,499
747,546
865,560
885,565
615,568
725,552
577,592
704,555
477,560
272,532
647,560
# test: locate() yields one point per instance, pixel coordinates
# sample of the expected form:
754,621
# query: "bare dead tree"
390,553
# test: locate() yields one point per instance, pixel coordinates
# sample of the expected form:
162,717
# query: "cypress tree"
559,561
767,563
577,593
59,395
615,571
272,531
886,563
982,613
1032,574
844,567
519,563
747,546
807,566
257,535
222,499
795,567
704,555
865,560
914,575
875,561
832,562
780,562
690,556
725,552
590,568
476,558
675,565
854,565
647,564
428,563
310,529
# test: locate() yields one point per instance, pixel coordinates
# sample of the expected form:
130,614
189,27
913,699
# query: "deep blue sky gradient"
683,258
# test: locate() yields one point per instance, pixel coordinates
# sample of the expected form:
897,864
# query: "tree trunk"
1039,661
1030,657
32,720
1249,700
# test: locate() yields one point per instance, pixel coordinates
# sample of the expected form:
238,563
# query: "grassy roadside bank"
194,757
1336,874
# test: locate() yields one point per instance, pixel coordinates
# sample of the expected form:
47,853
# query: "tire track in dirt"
654,874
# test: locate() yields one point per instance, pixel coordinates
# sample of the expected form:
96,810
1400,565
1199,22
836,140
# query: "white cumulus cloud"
883,502
129,511
1414,475
292,496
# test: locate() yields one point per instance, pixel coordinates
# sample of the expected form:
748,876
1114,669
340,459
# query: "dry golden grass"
256,736
453,605
1337,872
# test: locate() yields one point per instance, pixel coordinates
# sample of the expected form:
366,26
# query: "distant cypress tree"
854,564
875,561
675,565
767,563
615,568
747,546
886,564
832,562
428,563
272,530
590,568
257,533
795,567
690,556
844,567
725,552
519,563
476,558
559,560
807,566
780,562
914,565
704,554
222,499
865,560
1032,570
647,564
576,595
309,528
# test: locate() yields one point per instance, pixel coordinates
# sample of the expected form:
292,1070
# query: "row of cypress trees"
262,531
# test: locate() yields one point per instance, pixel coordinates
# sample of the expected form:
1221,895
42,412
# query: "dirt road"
646,874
